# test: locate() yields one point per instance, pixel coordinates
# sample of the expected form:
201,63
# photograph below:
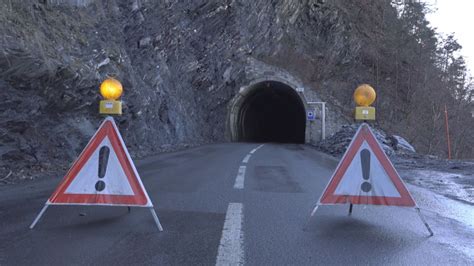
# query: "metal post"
314,210
305,226
448,140
350,209
323,131
323,118
155,217
424,222
39,216
310,135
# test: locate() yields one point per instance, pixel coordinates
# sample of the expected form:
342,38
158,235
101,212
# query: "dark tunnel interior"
272,112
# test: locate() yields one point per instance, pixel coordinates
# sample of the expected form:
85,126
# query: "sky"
456,16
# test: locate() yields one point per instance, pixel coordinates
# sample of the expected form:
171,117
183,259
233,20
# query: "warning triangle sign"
103,174
365,175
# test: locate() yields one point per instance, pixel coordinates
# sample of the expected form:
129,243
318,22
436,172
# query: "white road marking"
239,181
247,158
256,149
231,246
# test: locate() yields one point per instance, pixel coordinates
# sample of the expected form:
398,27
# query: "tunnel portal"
271,112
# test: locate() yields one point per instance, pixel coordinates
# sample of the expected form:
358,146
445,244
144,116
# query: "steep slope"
181,63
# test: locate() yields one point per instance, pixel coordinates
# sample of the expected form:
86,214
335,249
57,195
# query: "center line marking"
239,181
256,149
230,248
247,158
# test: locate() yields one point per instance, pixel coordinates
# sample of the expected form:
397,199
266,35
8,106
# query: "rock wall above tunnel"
181,64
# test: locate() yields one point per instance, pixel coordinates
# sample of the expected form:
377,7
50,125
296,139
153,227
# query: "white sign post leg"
424,221
314,210
157,221
309,219
39,216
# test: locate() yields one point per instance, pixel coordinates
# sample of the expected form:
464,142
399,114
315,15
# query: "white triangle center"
380,183
115,179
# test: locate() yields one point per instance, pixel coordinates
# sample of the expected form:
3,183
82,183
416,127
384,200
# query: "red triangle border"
140,197
364,133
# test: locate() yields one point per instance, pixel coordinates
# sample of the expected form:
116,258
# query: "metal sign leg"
305,226
350,209
314,210
39,216
157,221
424,221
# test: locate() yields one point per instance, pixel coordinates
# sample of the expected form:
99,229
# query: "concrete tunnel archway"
268,111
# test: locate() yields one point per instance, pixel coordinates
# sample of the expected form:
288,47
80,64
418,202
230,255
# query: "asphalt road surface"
225,204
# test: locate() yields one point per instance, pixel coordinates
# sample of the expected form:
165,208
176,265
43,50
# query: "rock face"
180,62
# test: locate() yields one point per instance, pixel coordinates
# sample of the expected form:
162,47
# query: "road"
227,203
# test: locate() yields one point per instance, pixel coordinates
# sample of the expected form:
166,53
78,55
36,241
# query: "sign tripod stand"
104,173
365,174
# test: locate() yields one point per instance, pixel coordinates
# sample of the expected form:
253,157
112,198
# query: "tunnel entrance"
271,112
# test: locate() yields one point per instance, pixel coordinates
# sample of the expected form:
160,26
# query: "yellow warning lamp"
111,89
364,96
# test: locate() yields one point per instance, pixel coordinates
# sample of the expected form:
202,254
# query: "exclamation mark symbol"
103,159
365,161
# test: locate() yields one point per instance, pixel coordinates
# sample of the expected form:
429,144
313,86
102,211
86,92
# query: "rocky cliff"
180,62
